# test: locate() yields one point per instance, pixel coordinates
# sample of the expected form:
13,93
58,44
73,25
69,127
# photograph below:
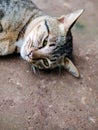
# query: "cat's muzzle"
30,56
39,62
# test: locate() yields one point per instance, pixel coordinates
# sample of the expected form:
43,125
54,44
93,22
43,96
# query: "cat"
42,40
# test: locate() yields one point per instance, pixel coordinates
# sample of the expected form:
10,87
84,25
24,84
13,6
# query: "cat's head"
46,34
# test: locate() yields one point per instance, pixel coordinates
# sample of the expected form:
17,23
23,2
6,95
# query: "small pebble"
91,119
81,76
30,128
90,89
89,78
87,58
83,100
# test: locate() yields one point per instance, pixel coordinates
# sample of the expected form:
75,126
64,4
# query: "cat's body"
46,41
14,15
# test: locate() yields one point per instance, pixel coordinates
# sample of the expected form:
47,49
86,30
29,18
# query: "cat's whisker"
35,70
59,69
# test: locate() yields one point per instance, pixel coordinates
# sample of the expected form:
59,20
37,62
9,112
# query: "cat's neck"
36,12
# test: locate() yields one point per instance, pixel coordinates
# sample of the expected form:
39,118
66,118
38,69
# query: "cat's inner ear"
70,67
70,19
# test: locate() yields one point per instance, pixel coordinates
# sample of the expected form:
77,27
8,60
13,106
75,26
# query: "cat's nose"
30,55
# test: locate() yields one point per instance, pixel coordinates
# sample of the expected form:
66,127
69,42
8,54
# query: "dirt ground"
54,100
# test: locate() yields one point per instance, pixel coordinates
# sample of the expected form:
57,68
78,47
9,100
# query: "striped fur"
42,40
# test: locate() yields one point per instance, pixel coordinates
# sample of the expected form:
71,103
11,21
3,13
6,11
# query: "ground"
54,100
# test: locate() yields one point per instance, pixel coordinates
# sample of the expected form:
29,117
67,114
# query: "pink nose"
30,55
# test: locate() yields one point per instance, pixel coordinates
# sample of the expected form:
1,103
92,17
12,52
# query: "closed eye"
46,39
45,42
52,45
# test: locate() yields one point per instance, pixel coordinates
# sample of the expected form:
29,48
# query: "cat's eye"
45,61
52,45
45,42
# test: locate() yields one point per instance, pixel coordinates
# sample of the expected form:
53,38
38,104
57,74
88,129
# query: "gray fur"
17,11
14,14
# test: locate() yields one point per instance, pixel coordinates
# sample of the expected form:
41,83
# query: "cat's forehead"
52,23
55,27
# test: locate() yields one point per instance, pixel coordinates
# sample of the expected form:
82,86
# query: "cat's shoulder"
15,13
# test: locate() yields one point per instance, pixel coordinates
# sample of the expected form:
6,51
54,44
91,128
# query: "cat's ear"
70,67
70,19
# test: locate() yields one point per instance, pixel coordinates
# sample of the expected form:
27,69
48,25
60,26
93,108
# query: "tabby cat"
42,40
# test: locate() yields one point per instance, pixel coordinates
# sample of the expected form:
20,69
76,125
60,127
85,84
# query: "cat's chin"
24,54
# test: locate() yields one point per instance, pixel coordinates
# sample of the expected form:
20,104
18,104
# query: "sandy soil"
54,100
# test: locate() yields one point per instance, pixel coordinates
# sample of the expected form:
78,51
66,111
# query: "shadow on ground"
54,100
